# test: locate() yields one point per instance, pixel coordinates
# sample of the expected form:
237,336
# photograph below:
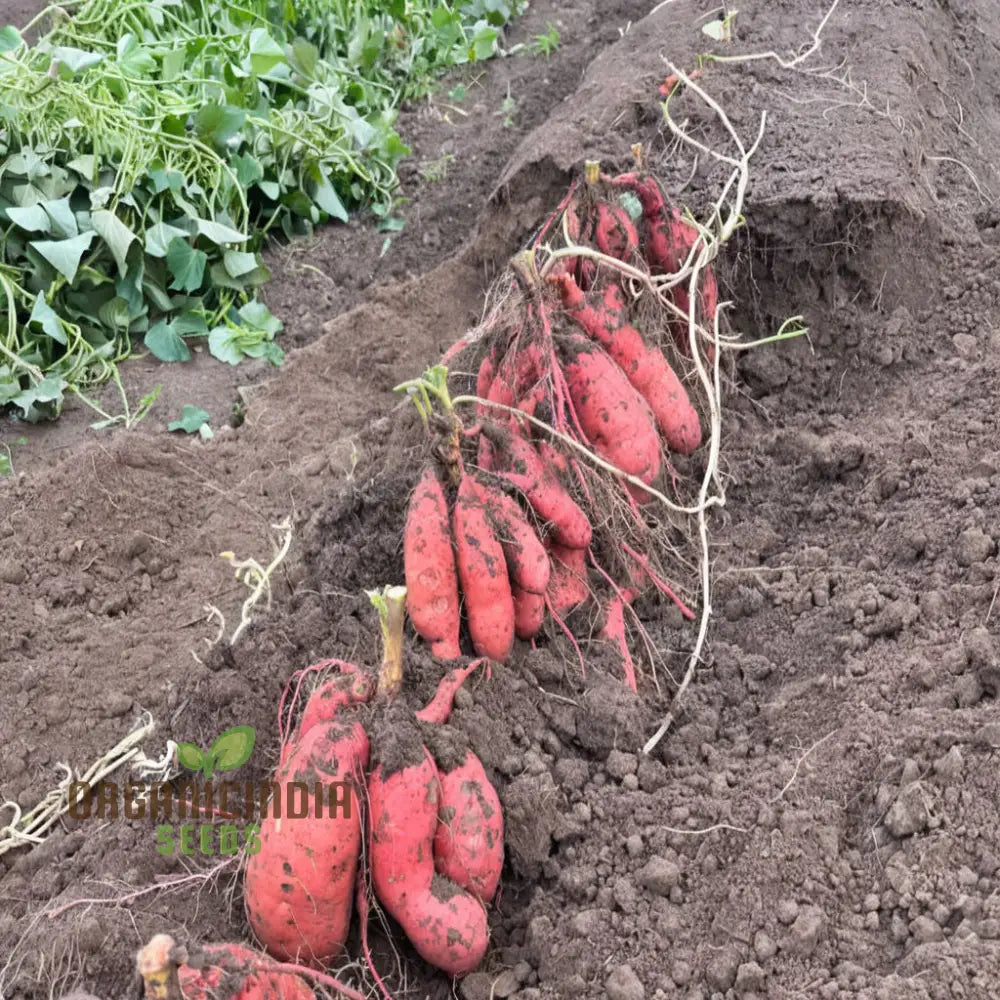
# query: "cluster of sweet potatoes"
524,513
420,829
432,834
505,520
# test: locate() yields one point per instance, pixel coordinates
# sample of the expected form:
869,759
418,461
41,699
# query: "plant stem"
390,603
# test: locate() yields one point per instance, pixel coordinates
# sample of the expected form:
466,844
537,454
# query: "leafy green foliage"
545,44
149,150
193,418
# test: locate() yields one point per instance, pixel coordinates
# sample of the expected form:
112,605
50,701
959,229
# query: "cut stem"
390,603
157,963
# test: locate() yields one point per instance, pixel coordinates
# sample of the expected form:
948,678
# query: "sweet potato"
615,233
429,567
523,467
645,367
615,418
438,709
468,844
529,612
299,886
482,573
527,560
333,695
222,970
568,583
669,239
445,924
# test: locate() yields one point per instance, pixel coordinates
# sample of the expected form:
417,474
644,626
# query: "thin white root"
30,828
729,217
258,578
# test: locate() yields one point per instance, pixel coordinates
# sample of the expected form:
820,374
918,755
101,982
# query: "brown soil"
821,819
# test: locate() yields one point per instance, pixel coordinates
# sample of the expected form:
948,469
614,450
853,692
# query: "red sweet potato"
527,560
568,586
429,567
615,418
529,612
482,573
468,844
615,233
221,970
523,467
299,886
645,367
445,924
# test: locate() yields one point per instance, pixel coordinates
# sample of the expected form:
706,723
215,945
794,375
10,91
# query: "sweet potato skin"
429,568
529,612
445,924
299,886
568,584
227,964
527,560
615,418
523,466
468,844
482,573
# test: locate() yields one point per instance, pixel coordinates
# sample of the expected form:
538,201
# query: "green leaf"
484,44
238,263
327,198
186,264
10,38
165,343
133,58
190,756
166,179
720,31
216,124
233,748
45,316
305,56
61,214
191,421
116,234
173,64
86,166
247,169
189,324
159,237
257,315
218,233
115,313
33,218
64,255
265,52
42,401
223,345
75,60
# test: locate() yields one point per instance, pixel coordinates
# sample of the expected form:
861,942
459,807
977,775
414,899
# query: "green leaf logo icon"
190,756
231,750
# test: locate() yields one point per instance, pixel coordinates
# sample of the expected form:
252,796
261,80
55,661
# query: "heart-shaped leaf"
65,255
191,421
186,264
116,234
165,343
